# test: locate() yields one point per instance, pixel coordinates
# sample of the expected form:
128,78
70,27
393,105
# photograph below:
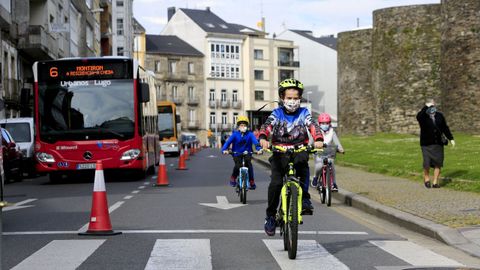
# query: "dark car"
12,157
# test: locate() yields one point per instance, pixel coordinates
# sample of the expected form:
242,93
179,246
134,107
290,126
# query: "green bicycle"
289,214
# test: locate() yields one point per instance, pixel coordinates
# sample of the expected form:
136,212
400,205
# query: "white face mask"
242,129
291,105
325,127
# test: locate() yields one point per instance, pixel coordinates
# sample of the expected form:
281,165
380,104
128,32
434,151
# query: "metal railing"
237,104
225,103
193,101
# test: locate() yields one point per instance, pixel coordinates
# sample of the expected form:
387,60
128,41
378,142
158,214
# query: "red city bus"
90,109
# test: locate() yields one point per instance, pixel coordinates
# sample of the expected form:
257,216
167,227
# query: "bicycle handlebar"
304,148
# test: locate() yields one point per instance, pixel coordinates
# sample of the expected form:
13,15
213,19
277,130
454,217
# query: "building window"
120,51
212,95
224,95
235,116
120,3
235,95
213,118
191,68
89,3
224,118
89,36
174,91
191,114
172,66
120,27
258,74
191,92
157,66
258,54
259,95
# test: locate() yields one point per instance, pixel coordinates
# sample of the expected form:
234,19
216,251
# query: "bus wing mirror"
178,119
144,92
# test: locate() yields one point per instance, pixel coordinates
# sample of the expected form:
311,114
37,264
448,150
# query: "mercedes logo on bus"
87,155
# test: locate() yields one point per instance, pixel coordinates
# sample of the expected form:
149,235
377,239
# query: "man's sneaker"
252,185
314,181
335,187
270,225
233,182
307,207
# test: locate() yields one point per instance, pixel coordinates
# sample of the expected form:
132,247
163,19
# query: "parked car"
21,130
12,157
189,138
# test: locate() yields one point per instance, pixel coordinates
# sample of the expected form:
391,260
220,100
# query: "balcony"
177,100
213,104
237,104
226,126
5,14
38,43
193,124
288,63
213,126
225,103
11,88
193,101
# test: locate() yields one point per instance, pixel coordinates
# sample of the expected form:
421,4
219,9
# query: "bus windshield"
165,122
86,110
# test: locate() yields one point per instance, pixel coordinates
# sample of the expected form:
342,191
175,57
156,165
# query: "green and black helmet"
288,84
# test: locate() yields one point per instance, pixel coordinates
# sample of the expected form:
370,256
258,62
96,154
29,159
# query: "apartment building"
122,27
318,71
178,69
233,77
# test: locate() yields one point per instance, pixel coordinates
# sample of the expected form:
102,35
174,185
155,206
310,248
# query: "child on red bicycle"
288,126
332,143
241,140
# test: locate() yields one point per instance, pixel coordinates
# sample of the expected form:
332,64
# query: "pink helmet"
324,118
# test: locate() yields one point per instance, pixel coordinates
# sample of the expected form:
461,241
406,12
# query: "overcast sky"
323,17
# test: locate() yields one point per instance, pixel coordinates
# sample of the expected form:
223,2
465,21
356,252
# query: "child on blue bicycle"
332,145
288,126
242,140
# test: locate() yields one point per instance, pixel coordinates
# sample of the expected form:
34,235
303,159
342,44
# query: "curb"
423,226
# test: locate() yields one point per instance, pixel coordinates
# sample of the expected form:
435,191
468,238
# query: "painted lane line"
141,187
135,191
310,255
112,208
19,205
180,254
146,183
60,254
190,232
414,254
128,197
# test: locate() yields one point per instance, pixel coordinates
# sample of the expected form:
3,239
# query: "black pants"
279,167
238,164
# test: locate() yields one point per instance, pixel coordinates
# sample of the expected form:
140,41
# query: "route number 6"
54,72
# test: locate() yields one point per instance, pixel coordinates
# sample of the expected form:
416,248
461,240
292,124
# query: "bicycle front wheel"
322,185
292,222
243,188
328,189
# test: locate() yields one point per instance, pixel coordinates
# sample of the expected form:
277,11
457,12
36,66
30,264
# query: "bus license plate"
85,166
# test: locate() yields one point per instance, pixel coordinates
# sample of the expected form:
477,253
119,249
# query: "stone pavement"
452,217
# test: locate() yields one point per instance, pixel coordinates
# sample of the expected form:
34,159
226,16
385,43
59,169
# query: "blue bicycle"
243,181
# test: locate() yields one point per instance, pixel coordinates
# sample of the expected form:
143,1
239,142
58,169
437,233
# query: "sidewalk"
452,217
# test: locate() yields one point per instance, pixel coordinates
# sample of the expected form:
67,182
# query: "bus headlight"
44,157
130,154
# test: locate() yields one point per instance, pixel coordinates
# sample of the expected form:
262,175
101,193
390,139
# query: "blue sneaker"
233,182
252,185
314,181
270,225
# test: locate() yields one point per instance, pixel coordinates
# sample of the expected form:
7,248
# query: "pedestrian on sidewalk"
434,133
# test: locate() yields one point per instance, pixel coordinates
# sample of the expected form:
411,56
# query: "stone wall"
354,83
460,77
417,52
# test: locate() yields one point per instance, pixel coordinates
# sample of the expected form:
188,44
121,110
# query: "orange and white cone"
181,161
185,149
99,217
162,178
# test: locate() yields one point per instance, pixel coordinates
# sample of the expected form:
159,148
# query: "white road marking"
135,191
19,205
112,208
60,254
128,197
414,254
141,187
191,232
222,203
146,183
310,255
180,254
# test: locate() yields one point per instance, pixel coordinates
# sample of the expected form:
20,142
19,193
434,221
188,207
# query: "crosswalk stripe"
180,254
414,254
60,254
310,255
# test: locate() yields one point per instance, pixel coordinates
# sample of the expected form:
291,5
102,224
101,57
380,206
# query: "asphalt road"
183,226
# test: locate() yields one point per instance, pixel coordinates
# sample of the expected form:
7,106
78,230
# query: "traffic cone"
186,157
99,217
162,178
181,161
192,149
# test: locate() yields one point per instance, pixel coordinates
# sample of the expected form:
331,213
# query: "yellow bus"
169,127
